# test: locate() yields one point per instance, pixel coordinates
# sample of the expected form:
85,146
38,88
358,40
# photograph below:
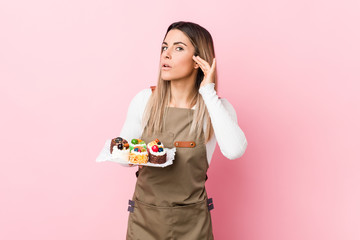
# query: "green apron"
171,202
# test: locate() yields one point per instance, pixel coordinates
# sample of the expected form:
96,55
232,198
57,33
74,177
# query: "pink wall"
69,69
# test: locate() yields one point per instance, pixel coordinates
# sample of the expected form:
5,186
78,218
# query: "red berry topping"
155,148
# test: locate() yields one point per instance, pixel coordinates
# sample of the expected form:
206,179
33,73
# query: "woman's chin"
165,77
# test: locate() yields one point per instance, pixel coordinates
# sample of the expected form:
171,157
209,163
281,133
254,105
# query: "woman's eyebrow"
175,43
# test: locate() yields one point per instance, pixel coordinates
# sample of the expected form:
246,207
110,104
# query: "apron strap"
185,144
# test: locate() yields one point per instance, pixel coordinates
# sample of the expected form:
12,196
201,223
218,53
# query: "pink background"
69,69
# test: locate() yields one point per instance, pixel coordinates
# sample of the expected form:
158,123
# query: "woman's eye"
176,48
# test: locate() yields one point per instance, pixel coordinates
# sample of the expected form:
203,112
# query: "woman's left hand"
209,72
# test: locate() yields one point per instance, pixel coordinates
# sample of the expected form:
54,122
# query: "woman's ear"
196,64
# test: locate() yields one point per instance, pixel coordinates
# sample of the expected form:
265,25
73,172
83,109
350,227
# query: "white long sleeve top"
228,134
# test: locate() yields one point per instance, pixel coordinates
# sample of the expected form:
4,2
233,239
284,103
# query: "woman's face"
177,52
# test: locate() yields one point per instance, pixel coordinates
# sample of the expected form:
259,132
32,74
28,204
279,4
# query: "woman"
183,111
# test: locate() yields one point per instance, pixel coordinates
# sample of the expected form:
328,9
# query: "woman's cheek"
186,66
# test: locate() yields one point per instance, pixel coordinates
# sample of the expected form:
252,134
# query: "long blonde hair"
156,107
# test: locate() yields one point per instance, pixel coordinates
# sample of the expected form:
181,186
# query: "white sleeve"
132,125
230,137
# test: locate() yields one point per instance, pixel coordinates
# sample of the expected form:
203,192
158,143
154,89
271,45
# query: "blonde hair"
156,107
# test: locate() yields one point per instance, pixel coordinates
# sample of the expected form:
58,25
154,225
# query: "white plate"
105,155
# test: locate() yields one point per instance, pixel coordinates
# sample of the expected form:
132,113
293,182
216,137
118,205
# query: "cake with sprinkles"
138,151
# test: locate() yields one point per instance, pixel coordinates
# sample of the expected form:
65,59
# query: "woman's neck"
182,94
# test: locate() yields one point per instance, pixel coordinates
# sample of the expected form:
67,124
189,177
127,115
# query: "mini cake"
157,153
138,151
119,148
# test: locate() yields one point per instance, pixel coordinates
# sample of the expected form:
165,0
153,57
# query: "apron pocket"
192,222
188,222
149,222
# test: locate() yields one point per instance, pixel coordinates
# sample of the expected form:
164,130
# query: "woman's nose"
166,54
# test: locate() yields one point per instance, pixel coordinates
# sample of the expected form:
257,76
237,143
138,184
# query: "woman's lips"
165,68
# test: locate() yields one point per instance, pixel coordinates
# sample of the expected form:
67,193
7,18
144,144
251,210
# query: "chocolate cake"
120,143
157,153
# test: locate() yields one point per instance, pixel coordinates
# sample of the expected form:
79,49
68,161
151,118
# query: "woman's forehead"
176,35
